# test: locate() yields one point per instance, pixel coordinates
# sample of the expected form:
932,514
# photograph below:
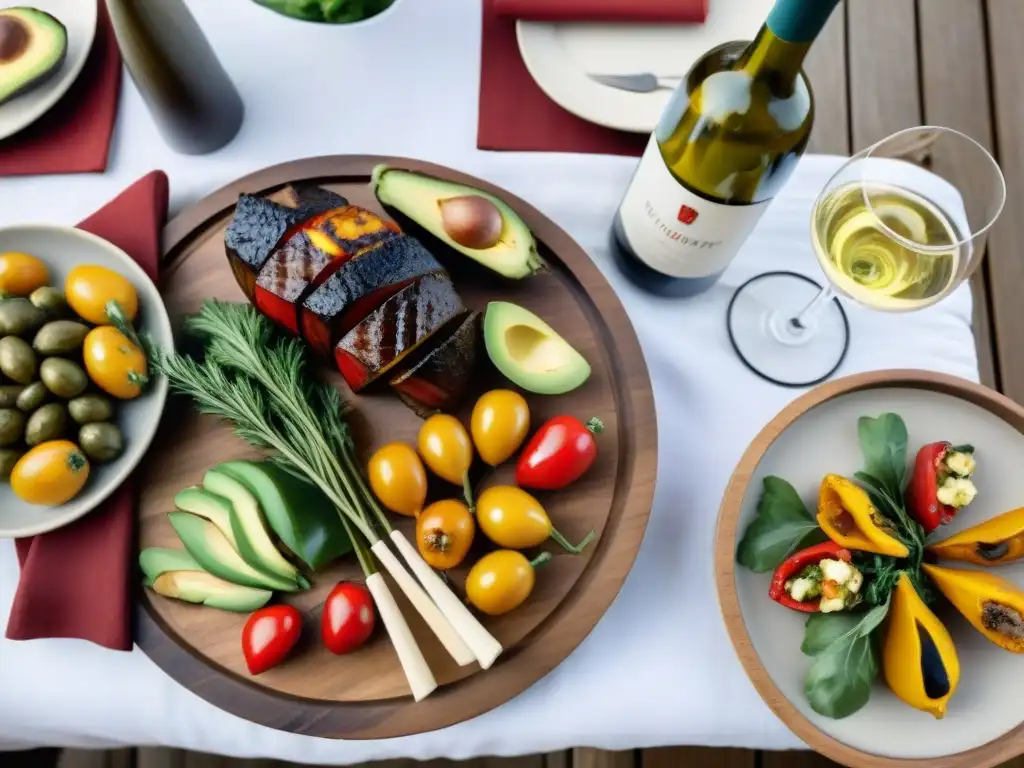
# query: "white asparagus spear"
484,646
431,614
421,679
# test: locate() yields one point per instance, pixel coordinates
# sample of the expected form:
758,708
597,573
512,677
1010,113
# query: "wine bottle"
727,142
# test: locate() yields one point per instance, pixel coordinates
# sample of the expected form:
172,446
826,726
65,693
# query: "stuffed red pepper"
821,579
941,484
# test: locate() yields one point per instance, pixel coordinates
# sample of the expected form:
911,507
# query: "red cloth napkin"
615,11
74,136
515,114
75,580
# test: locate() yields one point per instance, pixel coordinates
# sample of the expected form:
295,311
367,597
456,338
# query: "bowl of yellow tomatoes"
79,401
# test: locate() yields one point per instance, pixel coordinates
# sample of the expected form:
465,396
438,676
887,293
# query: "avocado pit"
14,39
471,221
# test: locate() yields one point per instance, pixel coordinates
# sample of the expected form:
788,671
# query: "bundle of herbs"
258,381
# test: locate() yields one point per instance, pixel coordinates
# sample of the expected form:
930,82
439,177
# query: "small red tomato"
348,617
269,635
561,451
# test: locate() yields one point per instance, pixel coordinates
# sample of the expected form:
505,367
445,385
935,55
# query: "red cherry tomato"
561,451
269,635
348,617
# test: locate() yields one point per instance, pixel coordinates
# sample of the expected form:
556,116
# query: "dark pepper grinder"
193,101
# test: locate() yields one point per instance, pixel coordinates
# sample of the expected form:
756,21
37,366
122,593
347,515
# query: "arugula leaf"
782,526
839,680
883,441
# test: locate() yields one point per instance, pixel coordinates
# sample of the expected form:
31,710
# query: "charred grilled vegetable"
311,255
359,286
993,542
993,605
396,329
259,226
439,381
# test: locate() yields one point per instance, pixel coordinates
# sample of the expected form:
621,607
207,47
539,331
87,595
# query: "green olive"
9,394
101,442
12,426
17,360
60,337
32,397
19,316
63,377
8,458
89,408
49,299
46,424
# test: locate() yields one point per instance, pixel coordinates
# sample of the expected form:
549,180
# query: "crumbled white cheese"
799,588
829,605
961,464
855,582
838,571
956,492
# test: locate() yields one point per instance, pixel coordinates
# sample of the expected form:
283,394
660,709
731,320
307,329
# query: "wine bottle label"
676,232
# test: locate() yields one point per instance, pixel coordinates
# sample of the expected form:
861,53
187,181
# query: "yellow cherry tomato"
50,474
398,478
500,421
445,447
501,581
20,274
510,517
115,365
88,289
444,533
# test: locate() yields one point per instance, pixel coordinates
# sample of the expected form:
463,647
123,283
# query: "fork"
643,82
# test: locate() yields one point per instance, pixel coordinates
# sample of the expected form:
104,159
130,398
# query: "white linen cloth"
658,669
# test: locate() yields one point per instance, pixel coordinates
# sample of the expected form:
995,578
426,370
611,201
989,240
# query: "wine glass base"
764,335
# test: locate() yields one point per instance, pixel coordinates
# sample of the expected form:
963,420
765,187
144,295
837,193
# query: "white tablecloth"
658,669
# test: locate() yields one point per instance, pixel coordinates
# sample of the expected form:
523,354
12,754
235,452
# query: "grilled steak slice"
359,286
439,380
259,226
396,329
310,256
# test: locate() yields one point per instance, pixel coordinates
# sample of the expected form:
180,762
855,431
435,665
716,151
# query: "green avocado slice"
422,200
33,46
174,573
529,352
298,512
216,509
254,542
214,553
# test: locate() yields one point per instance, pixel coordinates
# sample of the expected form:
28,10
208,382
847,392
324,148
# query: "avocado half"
174,573
33,46
529,352
470,221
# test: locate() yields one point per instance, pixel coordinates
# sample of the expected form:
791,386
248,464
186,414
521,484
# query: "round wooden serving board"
365,695
816,434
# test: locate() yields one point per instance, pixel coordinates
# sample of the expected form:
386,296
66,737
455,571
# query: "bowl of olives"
79,405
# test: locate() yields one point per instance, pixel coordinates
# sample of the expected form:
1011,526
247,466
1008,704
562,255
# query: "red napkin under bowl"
74,136
612,11
75,581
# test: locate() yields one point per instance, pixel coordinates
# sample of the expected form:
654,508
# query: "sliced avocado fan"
473,222
174,573
33,46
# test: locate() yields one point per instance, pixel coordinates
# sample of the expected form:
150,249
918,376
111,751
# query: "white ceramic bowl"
818,437
63,248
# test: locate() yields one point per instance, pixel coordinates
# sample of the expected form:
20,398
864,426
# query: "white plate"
559,56
987,703
63,248
79,16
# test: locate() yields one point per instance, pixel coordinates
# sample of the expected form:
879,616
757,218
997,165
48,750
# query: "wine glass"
897,228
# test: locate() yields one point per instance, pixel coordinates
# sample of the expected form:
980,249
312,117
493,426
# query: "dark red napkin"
515,114
75,580
74,136
614,11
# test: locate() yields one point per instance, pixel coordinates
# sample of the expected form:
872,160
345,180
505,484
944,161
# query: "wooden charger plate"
365,695
815,435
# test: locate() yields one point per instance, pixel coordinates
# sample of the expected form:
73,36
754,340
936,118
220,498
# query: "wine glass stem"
807,319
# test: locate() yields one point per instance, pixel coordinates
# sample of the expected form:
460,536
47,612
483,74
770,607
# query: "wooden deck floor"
882,65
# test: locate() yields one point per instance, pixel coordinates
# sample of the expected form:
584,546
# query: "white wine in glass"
897,228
